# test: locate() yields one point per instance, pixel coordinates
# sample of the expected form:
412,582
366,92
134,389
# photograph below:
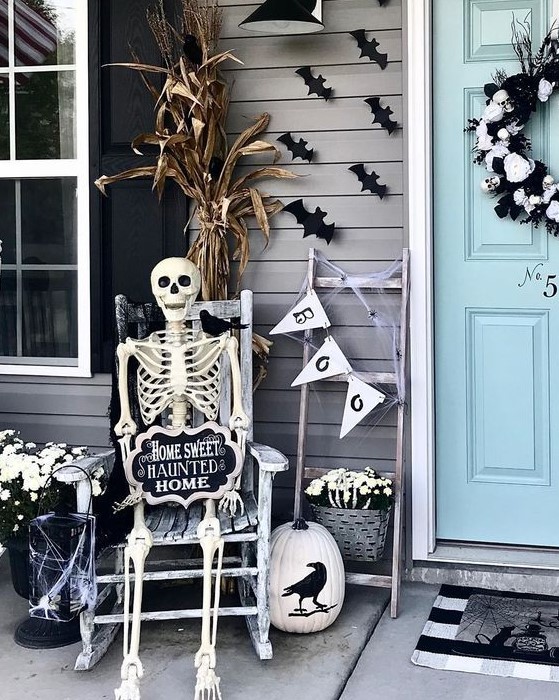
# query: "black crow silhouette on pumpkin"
310,587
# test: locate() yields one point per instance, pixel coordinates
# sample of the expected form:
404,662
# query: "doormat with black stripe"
492,632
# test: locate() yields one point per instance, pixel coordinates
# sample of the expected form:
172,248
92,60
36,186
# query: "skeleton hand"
239,420
126,426
230,502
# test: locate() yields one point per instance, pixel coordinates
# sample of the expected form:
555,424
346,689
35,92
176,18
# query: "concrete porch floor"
342,663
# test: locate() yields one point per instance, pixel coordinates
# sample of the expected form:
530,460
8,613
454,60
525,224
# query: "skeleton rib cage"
178,366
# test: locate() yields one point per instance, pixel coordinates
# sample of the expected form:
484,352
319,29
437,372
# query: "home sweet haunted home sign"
185,464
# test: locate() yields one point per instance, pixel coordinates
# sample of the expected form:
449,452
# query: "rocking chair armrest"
268,459
72,472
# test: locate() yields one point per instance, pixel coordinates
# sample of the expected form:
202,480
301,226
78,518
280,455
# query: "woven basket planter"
360,534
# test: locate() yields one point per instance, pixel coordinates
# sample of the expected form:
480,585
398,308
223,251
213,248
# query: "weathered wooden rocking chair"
173,525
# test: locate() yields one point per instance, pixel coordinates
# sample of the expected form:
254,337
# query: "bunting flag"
360,400
308,313
327,362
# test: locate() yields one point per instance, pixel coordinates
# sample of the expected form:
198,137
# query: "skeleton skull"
548,182
490,184
502,98
175,283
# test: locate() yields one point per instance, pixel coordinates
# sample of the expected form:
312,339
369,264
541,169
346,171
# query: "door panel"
496,331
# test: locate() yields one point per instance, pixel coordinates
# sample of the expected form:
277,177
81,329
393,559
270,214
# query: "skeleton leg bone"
207,682
139,544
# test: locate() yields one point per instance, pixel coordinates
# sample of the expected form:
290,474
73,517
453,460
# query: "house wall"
369,232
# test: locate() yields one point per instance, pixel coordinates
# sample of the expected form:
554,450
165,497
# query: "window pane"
8,221
4,118
49,314
3,33
8,314
45,123
48,221
44,32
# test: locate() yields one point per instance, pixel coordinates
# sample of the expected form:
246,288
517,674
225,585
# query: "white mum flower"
388,491
16,528
30,445
20,517
4,495
376,492
552,211
545,89
33,496
364,490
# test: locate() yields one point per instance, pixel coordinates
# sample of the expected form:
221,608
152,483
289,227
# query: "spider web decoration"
62,557
366,325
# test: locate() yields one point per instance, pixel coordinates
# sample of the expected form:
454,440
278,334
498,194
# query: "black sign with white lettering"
184,465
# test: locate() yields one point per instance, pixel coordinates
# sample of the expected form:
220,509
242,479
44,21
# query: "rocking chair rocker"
172,525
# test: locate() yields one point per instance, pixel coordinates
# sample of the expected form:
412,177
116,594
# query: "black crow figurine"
309,587
214,326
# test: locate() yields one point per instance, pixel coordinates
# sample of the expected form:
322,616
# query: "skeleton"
490,184
502,98
179,368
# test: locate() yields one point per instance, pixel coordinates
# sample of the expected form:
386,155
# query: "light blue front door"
496,331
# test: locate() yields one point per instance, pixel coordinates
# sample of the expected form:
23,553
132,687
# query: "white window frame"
77,168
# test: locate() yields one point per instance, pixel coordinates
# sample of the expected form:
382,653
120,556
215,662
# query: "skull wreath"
179,369
523,187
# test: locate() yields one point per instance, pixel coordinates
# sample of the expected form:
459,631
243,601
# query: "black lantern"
285,17
62,562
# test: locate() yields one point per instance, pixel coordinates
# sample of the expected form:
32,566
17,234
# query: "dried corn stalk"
190,114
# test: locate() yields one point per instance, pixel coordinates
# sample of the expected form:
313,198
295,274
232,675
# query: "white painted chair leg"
207,682
139,544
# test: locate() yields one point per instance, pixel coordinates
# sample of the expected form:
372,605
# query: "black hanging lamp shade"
284,17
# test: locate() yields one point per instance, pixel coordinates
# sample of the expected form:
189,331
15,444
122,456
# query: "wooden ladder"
394,379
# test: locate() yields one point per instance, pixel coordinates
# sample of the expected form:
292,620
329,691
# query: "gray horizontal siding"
368,236
60,410
368,231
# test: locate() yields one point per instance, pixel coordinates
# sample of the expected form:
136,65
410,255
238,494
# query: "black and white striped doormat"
492,632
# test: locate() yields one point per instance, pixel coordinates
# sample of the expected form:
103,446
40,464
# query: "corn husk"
190,113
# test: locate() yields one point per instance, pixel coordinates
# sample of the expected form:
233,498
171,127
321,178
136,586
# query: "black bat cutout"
369,48
298,148
315,85
313,222
381,114
368,181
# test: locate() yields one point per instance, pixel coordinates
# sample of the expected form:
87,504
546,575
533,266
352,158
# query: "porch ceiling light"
286,17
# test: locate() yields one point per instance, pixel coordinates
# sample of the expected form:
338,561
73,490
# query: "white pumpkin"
307,578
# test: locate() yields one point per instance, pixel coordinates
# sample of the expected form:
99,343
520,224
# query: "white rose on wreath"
484,141
499,150
552,211
545,90
517,168
493,113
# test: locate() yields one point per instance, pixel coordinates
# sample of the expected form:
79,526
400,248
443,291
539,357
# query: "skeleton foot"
231,502
130,686
207,683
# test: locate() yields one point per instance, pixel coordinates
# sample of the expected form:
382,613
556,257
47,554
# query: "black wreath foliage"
524,189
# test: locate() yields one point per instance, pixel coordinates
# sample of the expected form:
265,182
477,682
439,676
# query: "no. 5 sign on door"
536,275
